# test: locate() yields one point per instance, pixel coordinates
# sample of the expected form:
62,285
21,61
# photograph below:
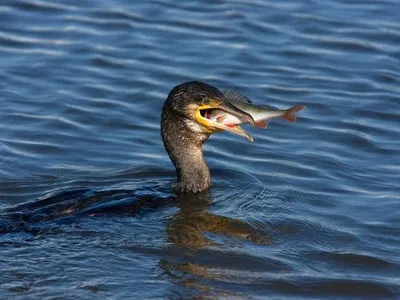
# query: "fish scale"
261,114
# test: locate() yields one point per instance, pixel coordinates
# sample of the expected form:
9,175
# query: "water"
308,210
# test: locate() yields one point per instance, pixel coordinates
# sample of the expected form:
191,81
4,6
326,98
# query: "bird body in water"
185,127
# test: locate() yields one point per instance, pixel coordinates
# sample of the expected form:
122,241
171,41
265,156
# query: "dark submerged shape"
184,130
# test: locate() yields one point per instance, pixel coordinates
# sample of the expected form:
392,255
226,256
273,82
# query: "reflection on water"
190,225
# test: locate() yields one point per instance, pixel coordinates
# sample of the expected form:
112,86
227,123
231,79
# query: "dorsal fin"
230,94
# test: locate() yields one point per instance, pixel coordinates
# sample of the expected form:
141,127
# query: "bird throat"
193,173
184,147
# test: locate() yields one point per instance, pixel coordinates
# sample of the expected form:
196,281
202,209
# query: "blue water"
308,210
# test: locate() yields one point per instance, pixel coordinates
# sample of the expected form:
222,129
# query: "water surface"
308,210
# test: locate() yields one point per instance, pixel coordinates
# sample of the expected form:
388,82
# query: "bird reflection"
187,228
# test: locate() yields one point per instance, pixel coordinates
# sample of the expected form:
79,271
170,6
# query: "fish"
262,114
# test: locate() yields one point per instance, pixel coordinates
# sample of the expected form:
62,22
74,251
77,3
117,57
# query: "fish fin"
290,114
230,94
262,124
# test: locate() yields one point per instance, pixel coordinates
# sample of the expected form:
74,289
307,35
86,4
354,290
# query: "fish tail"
290,114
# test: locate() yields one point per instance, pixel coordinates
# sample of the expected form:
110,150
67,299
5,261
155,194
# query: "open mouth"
218,118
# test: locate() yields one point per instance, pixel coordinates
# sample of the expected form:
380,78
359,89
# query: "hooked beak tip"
230,108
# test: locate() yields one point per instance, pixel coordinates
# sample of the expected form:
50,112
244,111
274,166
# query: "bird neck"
192,171
184,148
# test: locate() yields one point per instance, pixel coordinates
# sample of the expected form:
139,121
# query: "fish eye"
206,101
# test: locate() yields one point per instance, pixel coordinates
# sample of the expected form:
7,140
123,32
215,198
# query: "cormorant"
184,129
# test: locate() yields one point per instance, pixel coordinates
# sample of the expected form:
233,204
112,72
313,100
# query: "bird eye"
206,101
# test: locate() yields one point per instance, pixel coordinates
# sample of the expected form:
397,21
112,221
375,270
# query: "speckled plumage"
183,137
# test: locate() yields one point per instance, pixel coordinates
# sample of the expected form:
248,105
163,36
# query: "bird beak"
213,126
